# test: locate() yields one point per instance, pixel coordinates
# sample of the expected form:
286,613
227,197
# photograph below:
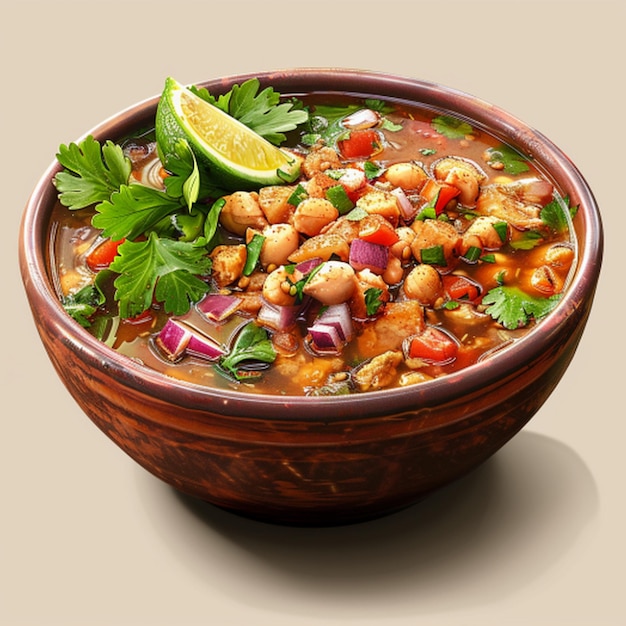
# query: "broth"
460,277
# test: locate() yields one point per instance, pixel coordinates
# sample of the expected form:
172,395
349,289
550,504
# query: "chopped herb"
253,250
387,124
252,344
299,194
338,197
488,258
513,308
372,170
512,161
555,214
373,300
451,127
356,214
502,228
427,151
473,254
433,255
527,240
83,304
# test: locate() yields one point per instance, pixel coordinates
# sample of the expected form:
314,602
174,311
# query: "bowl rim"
234,403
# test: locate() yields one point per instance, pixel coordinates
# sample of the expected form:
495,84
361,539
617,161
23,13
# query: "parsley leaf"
83,304
260,111
133,211
92,172
373,300
170,267
513,308
451,127
555,214
512,161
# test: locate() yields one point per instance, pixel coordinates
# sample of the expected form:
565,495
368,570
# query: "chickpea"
273,201
313,214
406,175
281,240
227,263
560,256
435,233
393,272
545,280
242,211
334,283
466,183
423,284
277,288
402,247
483,228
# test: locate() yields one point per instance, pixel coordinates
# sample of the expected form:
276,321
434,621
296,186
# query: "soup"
412,244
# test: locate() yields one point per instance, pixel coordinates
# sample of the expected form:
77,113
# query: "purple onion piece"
339,316
325,338
204,347
306,267
173,339
217,307
277,317
367,255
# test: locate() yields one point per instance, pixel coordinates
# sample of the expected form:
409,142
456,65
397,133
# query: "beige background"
536,536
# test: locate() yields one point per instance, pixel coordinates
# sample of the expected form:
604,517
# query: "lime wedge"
234,154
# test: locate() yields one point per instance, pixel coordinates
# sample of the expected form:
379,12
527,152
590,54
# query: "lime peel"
234,155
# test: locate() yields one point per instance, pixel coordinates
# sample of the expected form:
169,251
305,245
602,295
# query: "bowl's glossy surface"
322,460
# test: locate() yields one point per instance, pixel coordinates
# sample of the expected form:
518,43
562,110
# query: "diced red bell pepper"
433,345
102,255
439,192
461,288
382,233
360,144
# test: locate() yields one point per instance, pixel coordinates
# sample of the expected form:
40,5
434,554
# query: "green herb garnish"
451,127
513,308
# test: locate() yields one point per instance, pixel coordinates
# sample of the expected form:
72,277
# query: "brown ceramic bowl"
305,460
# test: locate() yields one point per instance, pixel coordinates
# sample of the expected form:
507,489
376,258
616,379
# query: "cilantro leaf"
83,304
260,111
143,265
512,161
513,308
451,127
555,214
133,210
252,344
92,172
373,300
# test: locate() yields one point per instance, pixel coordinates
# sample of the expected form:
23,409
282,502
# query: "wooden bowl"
318,460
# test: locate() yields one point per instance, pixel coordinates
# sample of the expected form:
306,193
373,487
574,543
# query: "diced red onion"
407,208
367,255
363,118
339,316
325,337
217,307
306,267
278,317
173,339
204,347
